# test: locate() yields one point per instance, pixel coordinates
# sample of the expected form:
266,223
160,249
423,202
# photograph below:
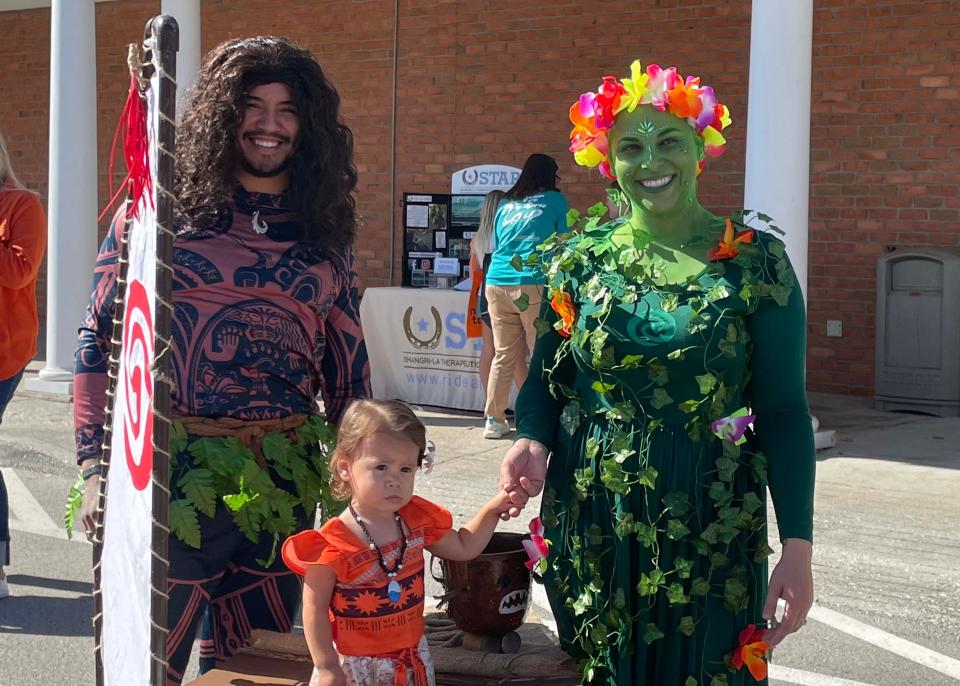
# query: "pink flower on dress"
537,547
731,428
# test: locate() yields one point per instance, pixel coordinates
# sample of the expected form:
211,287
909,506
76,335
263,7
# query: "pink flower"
537,547
731,428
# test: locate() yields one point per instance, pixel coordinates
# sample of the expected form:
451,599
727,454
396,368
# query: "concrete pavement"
886,560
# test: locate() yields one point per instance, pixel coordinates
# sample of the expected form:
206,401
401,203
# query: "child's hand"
501,503
332,676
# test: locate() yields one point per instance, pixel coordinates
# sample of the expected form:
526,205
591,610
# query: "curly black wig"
322,174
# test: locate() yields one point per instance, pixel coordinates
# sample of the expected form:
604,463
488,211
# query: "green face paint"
655,157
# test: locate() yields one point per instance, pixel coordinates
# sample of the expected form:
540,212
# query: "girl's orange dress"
379,638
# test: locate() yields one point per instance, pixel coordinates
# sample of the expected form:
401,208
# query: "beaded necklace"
393,588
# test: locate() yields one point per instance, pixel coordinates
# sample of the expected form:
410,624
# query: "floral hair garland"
593,114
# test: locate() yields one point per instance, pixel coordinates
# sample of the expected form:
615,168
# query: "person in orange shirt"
363,594
23,238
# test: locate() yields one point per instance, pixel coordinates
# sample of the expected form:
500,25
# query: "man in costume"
265,318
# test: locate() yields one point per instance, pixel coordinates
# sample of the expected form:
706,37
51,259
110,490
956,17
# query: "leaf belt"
250,432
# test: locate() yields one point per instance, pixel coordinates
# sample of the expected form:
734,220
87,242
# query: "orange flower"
728,244
562,304
684,100
752,652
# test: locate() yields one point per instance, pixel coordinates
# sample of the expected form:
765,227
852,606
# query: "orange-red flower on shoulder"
752,652
562,304
728,246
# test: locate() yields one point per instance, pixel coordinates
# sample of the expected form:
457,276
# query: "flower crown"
593,114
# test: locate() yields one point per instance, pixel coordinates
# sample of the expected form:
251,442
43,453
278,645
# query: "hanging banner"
131,563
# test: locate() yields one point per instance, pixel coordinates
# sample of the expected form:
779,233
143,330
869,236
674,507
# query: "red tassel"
133,125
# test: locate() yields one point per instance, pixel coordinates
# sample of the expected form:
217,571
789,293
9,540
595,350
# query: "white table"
418,347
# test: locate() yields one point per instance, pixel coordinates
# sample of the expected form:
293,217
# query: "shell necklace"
393,588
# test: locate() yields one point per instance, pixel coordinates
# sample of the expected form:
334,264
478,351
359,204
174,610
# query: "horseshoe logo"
470,176
423,343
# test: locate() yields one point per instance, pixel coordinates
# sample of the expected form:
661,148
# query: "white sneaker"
4,588
496,429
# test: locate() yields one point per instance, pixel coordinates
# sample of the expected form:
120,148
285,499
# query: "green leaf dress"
657,524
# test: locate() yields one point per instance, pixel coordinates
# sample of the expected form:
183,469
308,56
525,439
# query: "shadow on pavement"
45,615
45,582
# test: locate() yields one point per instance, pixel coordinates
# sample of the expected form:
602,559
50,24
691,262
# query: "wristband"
95,470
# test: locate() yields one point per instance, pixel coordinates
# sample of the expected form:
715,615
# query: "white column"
778,130
778,120
187,14
72,201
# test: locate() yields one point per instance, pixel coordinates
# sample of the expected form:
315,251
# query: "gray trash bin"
918,332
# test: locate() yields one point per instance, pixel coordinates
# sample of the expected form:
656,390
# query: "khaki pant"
511,330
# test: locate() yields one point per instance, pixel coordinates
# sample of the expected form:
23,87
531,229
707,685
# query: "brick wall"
885,173
25,95
483,81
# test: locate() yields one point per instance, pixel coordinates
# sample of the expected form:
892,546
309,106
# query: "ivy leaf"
619,599
625,525
718,292
780,294
74,501
646,534
660,398
719,680
182,519
763,551
683,567
602,387
235,501
718,560
613,477
690,680
751,503
523,302
706,382
670,302
570,418
689,406
631,361
517,263
725,468
623,411
720,494
657,373
675,594
727,349
687,627
652,634
648,477
699,587
591,450
676,529
542,326
734,595
677,503
197,485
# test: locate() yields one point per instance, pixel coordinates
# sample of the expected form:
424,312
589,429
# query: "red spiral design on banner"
138,385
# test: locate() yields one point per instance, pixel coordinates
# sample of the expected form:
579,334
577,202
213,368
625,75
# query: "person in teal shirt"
530,212
668,392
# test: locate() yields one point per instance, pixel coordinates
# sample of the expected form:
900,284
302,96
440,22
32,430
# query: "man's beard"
264,173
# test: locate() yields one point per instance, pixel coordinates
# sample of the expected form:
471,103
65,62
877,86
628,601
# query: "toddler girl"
363,593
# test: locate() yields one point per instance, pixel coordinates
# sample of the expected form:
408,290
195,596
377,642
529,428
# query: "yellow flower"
635,87
589,156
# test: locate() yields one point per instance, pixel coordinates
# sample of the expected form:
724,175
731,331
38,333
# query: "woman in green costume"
668,389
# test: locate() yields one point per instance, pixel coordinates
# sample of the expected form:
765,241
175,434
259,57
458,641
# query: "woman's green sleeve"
778,398
538,411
